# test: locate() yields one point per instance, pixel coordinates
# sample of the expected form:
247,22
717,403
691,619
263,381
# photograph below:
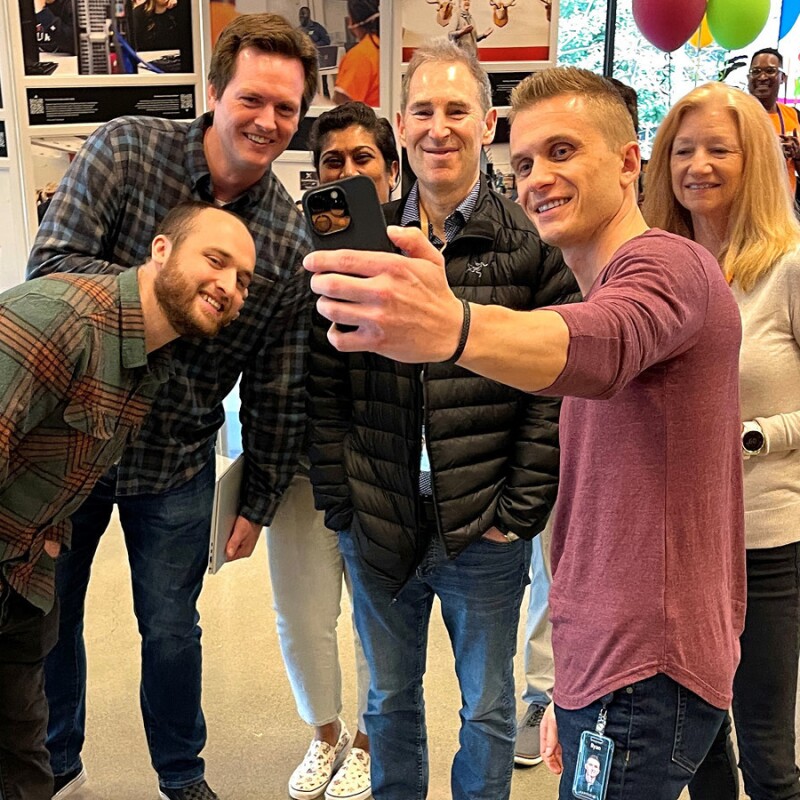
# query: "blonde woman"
717,176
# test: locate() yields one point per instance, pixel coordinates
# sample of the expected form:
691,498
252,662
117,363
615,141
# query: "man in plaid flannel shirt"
81,359
262,78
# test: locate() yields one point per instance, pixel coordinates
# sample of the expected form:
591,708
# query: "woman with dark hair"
352,140
359,71
306,567
717,176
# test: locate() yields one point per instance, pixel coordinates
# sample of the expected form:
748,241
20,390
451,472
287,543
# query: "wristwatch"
752,439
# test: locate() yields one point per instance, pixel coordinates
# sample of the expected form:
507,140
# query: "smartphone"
347,215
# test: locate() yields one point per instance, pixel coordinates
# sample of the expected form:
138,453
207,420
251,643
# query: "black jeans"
26,637
764,689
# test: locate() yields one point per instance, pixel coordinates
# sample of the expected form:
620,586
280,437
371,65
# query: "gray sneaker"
527,752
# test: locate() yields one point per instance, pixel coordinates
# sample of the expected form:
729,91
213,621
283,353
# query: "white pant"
306,570
538,647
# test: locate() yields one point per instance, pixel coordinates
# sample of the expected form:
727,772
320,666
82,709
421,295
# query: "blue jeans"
661,733
480,594
167,540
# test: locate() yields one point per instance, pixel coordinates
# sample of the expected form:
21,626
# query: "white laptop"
225,511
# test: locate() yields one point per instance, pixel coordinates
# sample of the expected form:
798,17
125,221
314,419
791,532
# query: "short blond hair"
610,114
762,226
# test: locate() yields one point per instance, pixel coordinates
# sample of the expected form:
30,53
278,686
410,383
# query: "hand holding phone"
346,215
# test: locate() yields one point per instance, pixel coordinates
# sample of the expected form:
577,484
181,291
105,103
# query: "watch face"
753,441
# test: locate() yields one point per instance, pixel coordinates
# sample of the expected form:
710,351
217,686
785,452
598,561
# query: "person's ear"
490,126
631,164
394,171
160,249
211,94
401,130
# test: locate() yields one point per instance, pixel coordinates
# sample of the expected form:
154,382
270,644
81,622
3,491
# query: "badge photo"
593,766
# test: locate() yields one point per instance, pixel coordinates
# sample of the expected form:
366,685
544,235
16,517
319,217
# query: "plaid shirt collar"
133,347
453,224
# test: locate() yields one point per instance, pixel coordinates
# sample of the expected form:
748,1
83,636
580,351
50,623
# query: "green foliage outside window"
659,79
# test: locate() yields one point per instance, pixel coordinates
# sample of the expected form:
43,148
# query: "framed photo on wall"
87,37
509,34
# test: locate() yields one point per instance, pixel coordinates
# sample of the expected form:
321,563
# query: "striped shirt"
454,221
77,384
102,218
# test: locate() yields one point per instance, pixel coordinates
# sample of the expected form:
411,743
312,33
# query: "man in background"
764,80
312,28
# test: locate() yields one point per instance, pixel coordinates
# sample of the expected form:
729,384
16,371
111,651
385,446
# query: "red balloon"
668,24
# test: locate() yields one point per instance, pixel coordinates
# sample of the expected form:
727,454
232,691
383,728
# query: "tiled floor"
255,737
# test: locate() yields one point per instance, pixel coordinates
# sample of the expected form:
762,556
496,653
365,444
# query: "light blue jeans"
538,663
307,572
480,594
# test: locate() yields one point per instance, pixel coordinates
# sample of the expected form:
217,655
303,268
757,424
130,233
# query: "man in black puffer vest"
437,478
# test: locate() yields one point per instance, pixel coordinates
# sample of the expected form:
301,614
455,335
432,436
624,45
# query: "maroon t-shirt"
648,537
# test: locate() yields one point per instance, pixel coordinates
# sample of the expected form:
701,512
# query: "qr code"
187,102
36,105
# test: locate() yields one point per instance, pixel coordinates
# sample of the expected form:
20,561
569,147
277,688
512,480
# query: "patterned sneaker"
527,751
352,781
197,791
65,785
314,773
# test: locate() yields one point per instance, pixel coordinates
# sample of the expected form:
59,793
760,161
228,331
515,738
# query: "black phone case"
367,229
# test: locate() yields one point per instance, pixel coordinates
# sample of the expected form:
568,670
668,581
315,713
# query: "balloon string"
697,63
669,76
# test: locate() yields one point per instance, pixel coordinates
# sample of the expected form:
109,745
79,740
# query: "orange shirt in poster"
222,12
359,72
786,121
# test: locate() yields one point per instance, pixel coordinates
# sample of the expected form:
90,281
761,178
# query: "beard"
177,296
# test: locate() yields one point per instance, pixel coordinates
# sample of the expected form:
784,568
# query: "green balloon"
735,23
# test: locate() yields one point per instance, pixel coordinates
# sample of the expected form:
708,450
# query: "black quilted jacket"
493,449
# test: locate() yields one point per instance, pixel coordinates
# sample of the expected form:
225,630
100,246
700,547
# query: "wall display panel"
349,54
3,140
76,64
98,37
293,170
51,157
503,83
508,32
75,104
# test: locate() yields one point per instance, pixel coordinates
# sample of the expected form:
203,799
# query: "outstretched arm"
405,310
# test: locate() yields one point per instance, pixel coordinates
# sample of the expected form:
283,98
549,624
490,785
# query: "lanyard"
602,719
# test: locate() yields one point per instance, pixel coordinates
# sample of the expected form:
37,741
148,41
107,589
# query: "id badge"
593,766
